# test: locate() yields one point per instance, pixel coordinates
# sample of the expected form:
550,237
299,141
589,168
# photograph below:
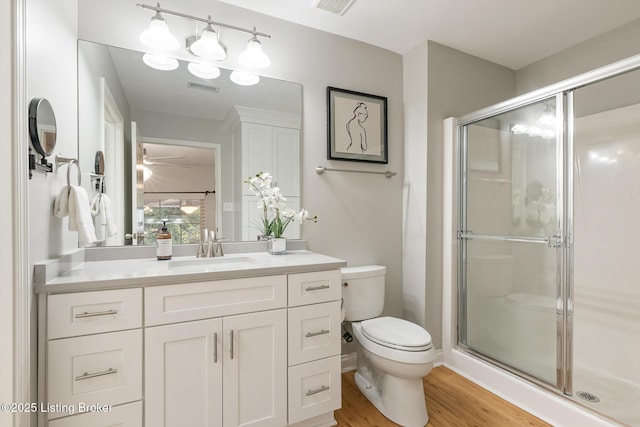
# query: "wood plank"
452,401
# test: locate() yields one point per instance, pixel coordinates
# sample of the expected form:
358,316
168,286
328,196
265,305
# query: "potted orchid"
275,216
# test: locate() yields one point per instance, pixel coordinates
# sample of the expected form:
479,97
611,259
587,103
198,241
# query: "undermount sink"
220,262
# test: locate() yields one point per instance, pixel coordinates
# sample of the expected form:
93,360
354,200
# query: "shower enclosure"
548,252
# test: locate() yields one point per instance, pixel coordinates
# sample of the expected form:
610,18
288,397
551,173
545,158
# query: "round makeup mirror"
42,126
99,163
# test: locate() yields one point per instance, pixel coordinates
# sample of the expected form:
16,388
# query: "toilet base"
401,400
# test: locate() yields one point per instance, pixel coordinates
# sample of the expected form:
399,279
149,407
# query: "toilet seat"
396,333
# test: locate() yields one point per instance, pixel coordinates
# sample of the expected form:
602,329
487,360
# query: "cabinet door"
255,369
286,160
183,377
257,151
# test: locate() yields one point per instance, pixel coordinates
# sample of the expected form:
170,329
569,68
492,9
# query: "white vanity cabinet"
314,345
259,351
190,365
93,359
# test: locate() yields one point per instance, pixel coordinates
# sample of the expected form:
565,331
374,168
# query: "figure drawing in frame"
356,126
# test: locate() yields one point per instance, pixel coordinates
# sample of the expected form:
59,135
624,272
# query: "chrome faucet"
214,249
213,245
203,241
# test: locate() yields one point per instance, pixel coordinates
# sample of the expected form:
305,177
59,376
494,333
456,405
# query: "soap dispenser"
163,243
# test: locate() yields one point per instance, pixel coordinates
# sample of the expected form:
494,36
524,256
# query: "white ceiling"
513,33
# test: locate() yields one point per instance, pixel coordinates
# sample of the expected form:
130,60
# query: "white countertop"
113,274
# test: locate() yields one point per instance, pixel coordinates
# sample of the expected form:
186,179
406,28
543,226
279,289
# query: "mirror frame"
35,108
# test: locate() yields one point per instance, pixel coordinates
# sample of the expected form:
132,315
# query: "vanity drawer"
314,332
104,368
314,389
86,313
315,287
203,300
129,415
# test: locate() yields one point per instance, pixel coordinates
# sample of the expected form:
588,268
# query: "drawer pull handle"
215,347
315,334
87,375
318,390
95,314
317,288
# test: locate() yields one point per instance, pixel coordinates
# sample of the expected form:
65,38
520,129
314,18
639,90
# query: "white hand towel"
99,219
112,229
61,203
103,217
80,216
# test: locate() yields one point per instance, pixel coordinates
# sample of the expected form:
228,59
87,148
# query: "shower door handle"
554,241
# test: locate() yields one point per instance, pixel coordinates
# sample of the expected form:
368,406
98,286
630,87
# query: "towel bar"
61,160
320,170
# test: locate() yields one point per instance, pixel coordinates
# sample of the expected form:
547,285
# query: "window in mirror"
185,219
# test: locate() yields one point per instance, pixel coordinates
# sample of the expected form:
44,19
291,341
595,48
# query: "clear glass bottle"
163,243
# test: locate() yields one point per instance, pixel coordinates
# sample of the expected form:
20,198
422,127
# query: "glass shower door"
510,236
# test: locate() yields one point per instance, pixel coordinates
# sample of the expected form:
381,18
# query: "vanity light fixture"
244,78
160,62
253,56
204,71
208,46
158,36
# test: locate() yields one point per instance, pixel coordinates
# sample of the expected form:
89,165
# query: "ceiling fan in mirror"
161,161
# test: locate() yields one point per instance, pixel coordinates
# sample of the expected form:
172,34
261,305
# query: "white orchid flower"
288,213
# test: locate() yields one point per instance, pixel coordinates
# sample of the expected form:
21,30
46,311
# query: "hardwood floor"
452,400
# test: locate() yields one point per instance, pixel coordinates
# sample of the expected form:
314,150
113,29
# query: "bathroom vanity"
247,339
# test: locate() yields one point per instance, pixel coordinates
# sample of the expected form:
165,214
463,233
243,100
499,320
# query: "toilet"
393,355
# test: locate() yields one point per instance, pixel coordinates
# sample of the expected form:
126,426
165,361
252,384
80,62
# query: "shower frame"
563,93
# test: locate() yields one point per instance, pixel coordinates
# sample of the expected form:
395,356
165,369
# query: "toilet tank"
363,291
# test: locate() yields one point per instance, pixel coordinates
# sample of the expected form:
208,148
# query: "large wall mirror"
168,142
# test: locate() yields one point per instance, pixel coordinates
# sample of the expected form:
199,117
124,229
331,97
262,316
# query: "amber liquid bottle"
163,243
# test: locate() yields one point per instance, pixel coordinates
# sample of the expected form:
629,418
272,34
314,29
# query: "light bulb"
243,78
253,56
158,36
208,46
160,62
204,71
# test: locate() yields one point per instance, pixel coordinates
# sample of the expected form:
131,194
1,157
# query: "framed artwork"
356,126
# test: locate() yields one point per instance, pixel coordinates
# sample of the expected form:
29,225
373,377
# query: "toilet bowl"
393,355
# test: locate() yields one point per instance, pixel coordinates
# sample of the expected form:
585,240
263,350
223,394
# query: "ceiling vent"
200,86
339,7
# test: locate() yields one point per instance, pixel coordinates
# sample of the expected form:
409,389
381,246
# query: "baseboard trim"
349,362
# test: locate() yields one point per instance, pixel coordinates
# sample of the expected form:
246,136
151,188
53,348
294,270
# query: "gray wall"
615,45
456,84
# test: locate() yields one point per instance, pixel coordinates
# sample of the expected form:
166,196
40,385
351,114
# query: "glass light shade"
160,62
189,209
146,172
253,56
243,78
208,46
158,36
204,71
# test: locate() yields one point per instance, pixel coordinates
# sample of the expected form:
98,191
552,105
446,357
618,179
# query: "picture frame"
356,126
